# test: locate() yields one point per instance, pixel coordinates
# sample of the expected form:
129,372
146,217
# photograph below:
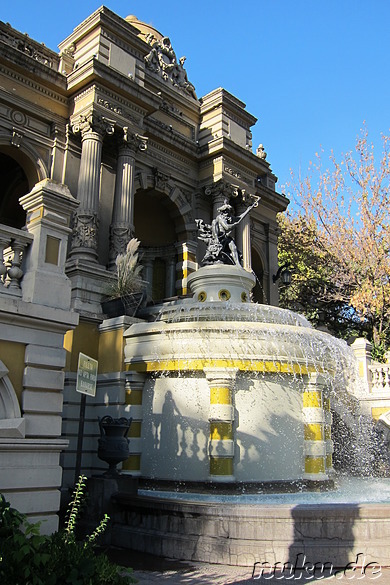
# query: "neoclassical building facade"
103,141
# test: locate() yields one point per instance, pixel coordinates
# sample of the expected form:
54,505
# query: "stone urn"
113,443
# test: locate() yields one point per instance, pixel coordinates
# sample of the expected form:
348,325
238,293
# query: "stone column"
314,429
85,219
147,263
122,226
134,388
243,238
170,286
221,417
187,265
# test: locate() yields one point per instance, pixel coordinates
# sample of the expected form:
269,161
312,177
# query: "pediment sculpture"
162,59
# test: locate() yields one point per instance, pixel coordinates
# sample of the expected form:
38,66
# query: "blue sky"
311,71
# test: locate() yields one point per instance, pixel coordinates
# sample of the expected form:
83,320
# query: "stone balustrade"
13,245
24,44
380,378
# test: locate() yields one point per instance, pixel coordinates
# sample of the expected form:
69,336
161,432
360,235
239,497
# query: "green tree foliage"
337,240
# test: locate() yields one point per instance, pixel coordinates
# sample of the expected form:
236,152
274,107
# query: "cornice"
35,85
95,72
159,129
168,157
106,19
221,98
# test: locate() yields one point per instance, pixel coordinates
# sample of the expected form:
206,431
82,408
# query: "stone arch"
164,225
21,168
11,422
144,181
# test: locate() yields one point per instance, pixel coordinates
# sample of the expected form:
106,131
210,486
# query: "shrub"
28,558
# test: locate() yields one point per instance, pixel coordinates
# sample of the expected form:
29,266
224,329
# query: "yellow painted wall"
111,351
12,355
84,339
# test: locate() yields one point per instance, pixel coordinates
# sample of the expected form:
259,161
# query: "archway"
157,225
18,176
11,422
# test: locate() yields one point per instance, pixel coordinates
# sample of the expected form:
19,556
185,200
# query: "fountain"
237,397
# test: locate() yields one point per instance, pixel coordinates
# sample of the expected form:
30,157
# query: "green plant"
28,558
127,277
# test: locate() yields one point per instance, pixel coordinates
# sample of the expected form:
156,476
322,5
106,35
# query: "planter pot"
126,305
113,443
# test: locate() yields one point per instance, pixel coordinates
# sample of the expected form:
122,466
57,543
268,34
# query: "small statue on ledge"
221,247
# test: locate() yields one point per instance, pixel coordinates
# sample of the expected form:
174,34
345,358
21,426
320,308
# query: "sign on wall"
86,375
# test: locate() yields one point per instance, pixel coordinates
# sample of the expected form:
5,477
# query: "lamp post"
284,274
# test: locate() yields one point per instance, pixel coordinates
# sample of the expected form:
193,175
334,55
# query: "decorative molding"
109,106
17,137
33,85
120,235
85,229
29,48
160,179
232,172
171,161
18,117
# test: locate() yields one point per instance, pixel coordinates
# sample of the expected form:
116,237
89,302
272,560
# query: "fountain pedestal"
232,391
221,282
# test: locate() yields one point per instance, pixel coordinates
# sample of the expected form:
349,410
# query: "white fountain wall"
175,430
268,428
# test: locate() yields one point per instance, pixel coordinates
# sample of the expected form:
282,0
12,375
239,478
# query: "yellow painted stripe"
220,395
314,465
329,461
189,256
312,399
326,403
377,411
135,429
221,430
221,466
328,432
133,397
133,463
199,364
313,432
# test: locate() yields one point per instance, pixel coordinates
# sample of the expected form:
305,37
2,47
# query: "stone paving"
152,570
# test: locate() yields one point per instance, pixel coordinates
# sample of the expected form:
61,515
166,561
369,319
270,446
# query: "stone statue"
162,60
221,247
260,152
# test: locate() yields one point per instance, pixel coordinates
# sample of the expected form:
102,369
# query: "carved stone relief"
162,60
85,229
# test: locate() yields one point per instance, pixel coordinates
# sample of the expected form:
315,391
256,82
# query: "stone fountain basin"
243,344
244,535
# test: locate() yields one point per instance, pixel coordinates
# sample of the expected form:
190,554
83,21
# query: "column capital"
134,141
221,376
92,123
225,190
